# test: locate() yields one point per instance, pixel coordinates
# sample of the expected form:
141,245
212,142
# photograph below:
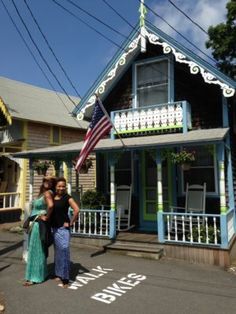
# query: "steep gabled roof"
127,54
28,102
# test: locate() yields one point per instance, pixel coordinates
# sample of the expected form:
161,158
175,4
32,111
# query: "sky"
82,51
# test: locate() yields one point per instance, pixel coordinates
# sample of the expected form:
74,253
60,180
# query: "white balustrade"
9,200
201,229
150,118
92,222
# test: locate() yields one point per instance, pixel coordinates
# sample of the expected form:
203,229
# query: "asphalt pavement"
111,283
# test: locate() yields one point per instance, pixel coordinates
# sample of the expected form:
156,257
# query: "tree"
222,40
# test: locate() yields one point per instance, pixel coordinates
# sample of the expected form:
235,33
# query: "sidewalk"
104,283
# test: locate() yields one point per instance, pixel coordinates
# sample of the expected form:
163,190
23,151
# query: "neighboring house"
31,117
163,99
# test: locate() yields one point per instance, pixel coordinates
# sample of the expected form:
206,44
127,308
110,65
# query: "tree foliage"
222,40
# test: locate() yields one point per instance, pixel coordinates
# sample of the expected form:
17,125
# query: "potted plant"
183,158
41,166
86,165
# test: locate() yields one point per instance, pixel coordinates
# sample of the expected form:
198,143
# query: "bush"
93,199
211,234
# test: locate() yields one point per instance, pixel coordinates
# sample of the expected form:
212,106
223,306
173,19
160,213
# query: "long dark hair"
51,182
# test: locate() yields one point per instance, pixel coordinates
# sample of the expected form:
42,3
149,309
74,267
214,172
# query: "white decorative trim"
194,67
179,57
101,88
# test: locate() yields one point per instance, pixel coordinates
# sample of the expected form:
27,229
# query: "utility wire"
121,47
95,18
40,53
35,60
114,10
189,18
82,21
196,47
124,19
51,49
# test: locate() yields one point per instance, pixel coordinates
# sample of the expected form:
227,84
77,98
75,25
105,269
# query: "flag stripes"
99,127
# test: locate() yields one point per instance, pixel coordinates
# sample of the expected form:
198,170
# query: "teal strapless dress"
36,269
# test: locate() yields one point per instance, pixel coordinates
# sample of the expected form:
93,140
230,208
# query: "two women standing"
53,208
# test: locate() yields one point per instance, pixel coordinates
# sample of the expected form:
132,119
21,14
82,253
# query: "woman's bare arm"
75,208
48,196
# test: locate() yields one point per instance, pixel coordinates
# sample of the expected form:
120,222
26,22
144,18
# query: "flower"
41,164
183,156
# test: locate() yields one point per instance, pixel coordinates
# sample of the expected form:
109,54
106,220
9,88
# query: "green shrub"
211,234
93,199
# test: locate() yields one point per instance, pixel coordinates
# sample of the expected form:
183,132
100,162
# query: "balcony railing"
169,117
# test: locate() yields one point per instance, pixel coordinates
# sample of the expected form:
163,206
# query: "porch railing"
201,229
92,222
9,200
163,117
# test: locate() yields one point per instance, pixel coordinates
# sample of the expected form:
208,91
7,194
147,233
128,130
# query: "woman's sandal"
64,286
57,279
28,283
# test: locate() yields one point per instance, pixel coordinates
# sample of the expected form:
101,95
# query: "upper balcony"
163,118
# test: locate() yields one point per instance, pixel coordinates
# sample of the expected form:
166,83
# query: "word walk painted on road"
117,289
85,278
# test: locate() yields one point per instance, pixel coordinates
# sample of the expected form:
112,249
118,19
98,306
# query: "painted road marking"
120,287
85,278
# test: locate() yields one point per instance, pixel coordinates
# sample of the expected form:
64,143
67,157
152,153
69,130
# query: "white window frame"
170,71
216,193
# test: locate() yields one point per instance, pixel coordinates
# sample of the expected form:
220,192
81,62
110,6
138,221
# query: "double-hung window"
203,170
151,86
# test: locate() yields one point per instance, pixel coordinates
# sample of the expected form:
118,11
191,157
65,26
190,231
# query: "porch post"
223,205
228,154
31,180
28,208
69,176
160,225
221,167
112,234
58,168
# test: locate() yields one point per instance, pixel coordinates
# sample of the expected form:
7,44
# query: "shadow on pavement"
11,248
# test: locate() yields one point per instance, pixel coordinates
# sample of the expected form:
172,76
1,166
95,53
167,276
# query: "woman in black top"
61,224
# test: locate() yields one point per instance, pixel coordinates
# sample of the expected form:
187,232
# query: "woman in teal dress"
36,268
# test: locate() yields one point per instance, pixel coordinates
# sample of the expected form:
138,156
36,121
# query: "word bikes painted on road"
86,277
117,289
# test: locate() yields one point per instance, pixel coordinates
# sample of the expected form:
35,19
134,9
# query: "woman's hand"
66,225
43,218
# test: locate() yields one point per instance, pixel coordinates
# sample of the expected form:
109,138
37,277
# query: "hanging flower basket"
86,165
42,171
184,158
186,166
41,166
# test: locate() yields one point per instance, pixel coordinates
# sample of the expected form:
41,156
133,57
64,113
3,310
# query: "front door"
148,192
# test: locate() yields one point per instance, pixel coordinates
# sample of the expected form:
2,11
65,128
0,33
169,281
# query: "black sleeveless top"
60,211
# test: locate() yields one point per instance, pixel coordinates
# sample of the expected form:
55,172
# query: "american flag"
98,127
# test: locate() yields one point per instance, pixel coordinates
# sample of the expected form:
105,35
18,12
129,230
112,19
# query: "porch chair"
195,203
123,207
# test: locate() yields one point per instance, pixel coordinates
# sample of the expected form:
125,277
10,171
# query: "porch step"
137,249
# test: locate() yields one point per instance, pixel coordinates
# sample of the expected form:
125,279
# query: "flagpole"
108,117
